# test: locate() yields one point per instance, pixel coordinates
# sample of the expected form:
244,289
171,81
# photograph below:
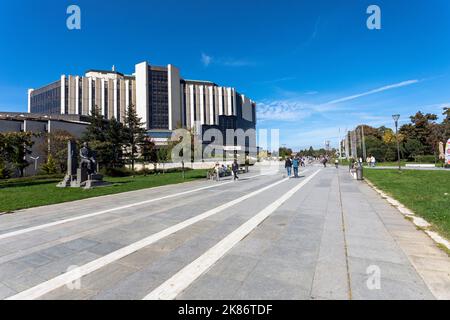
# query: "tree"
55,144
134,134
446,124
16,146
50,166
285,152
107,138
163,155
414,148
115,140
421,129
148,153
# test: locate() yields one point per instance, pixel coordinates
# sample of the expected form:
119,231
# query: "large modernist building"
163,99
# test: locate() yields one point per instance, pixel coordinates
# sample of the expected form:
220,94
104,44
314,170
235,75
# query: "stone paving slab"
317,245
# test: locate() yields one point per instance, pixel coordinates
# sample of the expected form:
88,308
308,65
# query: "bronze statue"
88,160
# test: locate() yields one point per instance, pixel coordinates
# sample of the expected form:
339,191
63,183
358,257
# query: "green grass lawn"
21,194
427,193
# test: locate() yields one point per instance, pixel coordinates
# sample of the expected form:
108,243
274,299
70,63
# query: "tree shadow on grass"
27,184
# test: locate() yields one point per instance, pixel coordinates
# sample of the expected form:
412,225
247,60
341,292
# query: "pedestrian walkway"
321,236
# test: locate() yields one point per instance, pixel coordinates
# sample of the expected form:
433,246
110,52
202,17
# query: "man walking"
295,165
288,166
217,171
235,169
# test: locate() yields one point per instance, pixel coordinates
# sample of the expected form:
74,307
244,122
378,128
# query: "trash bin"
359,172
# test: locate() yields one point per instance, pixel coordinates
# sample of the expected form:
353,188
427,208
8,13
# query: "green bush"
116,172
50,166
425,159
4,172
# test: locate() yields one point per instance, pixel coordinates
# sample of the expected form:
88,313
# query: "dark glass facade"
47,99
158,99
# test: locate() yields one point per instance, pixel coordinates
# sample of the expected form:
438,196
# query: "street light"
35,162
396,117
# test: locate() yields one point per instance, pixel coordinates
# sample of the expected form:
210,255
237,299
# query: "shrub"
4,172
50,166
425,159
116,172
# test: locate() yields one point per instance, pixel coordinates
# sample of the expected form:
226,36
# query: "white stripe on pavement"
90,215
170,289
73,275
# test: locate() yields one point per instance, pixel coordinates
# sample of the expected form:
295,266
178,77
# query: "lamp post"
396,117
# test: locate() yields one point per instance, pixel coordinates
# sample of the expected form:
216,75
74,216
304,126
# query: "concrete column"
221,106
174,96
63,94
77,95
192,106
90,97
202,105
142,98
30,91
116,112
103,97
230,106
211,105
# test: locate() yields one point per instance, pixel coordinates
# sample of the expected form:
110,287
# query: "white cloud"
293,109
385,88
227,62
283,110
206,60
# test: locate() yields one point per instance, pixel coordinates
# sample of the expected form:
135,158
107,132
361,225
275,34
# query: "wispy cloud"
208,60
293,108
284,110
378,90
277,80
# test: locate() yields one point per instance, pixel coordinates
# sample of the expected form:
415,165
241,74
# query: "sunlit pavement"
322,236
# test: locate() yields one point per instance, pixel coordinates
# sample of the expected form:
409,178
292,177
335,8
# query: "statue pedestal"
67,182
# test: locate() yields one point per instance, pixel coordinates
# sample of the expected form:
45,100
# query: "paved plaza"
322,236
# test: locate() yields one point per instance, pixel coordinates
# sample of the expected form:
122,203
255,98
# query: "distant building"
38,123
161,97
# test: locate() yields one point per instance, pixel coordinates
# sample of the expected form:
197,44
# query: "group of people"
223,169
371,161
293,164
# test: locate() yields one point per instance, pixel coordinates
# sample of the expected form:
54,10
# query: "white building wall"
116,111
221,100
229,104
63,94
202,104
104,111
142,109
30,91
174,96
192,106
77,95
211,105
91,106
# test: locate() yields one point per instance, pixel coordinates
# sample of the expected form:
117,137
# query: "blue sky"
312,66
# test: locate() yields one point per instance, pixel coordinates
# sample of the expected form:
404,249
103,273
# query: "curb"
419,222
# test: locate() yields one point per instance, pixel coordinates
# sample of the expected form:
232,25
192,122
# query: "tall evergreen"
106,138
134,135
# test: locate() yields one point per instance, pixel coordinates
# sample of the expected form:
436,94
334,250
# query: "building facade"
163,99
42,125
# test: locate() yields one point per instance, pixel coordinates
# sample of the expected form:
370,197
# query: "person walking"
324,161
235,169
295,165
288,166
217,171
373,161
